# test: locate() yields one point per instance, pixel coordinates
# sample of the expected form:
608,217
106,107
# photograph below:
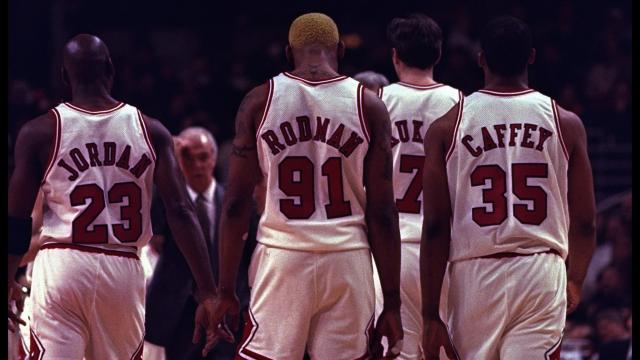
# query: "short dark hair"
417,39
506,42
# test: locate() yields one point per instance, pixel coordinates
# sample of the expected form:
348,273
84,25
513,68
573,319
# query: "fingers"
226,333
212,340
448,349
375,344
197,333
394,351
234,321
13,321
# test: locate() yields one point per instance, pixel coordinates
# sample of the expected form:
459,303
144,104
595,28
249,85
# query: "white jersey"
97,187
412,109
507,174
312,141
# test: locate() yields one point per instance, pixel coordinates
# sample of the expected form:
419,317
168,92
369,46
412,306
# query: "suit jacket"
169,300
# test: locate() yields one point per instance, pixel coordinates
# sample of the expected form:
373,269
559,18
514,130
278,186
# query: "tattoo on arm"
242,150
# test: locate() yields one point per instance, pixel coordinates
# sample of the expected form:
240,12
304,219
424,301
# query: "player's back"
312,141
507,175
412,109
99,180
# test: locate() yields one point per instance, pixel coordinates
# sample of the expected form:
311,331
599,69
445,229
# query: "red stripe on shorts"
91,249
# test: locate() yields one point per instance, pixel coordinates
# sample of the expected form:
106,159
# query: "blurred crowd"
602,323
583,60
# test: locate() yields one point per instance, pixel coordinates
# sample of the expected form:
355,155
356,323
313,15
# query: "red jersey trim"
56,146
318,82
363,123
243,351
420,87
91,249
556,119
138,354
99,112
455,130
36,348
553,353
500,93
267,106
254,355
146,134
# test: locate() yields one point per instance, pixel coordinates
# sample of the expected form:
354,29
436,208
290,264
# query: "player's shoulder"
158,133
572,129
42,126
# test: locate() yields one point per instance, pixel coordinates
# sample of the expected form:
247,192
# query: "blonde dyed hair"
313,29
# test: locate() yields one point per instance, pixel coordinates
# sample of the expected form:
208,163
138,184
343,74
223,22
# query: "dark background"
190,63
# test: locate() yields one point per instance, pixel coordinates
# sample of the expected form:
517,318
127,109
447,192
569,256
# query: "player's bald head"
313,29
86,59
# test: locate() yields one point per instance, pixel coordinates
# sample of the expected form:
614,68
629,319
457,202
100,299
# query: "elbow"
584,228
384,217
235,206
433,230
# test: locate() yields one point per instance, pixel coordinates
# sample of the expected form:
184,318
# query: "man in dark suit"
170,304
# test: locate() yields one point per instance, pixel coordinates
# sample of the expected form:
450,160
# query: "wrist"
431,314
226,291
201,294
391,300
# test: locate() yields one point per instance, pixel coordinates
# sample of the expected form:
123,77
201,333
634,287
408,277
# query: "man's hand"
216,328
389,324
573,296
434,337
15,295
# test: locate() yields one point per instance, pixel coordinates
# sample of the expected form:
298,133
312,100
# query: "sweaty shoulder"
253,107
159,134
374,109
443,128
572,128
38,135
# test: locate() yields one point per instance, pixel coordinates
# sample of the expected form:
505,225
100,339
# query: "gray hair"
197,131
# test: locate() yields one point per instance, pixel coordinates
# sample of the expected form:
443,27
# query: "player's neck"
506,84
316,68
92,97
415,76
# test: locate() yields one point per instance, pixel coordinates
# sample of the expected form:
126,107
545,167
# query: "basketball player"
508,197
372,80
96,159
414,103
316,139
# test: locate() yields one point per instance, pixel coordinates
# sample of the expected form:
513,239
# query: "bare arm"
244,174
436,228
582,213
32,149
381,213
180,211
36,228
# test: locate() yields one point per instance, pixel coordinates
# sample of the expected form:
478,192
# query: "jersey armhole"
53,153
266,107
146,134
380,92
455,130
556,119
363,122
